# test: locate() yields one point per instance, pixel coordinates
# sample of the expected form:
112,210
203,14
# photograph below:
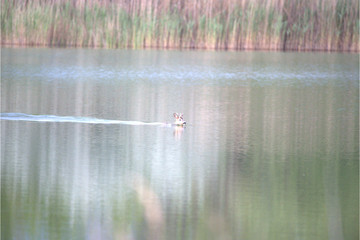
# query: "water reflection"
178,131
255,162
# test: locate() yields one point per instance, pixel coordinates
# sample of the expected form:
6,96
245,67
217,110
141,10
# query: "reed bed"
303,25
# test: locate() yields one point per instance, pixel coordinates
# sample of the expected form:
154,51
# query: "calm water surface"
270,151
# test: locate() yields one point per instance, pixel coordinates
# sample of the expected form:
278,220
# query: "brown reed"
301,25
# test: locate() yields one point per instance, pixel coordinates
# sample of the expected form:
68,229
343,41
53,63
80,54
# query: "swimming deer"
179,119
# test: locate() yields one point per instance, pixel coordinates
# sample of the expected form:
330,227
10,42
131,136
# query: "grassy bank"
214,24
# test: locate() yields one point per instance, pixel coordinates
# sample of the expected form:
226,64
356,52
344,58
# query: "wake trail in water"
70,119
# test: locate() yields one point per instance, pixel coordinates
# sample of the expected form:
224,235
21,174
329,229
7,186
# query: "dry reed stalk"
248,24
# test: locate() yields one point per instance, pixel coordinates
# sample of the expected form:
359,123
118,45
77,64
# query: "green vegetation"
214,24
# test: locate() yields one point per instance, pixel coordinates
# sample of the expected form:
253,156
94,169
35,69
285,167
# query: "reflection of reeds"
214,24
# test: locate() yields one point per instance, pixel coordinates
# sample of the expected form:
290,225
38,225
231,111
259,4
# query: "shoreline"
250,49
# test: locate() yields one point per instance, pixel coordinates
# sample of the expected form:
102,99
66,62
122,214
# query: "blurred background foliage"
327,25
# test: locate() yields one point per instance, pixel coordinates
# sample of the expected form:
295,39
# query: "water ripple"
69,119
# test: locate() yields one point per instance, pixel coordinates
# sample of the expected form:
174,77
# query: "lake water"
270,151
